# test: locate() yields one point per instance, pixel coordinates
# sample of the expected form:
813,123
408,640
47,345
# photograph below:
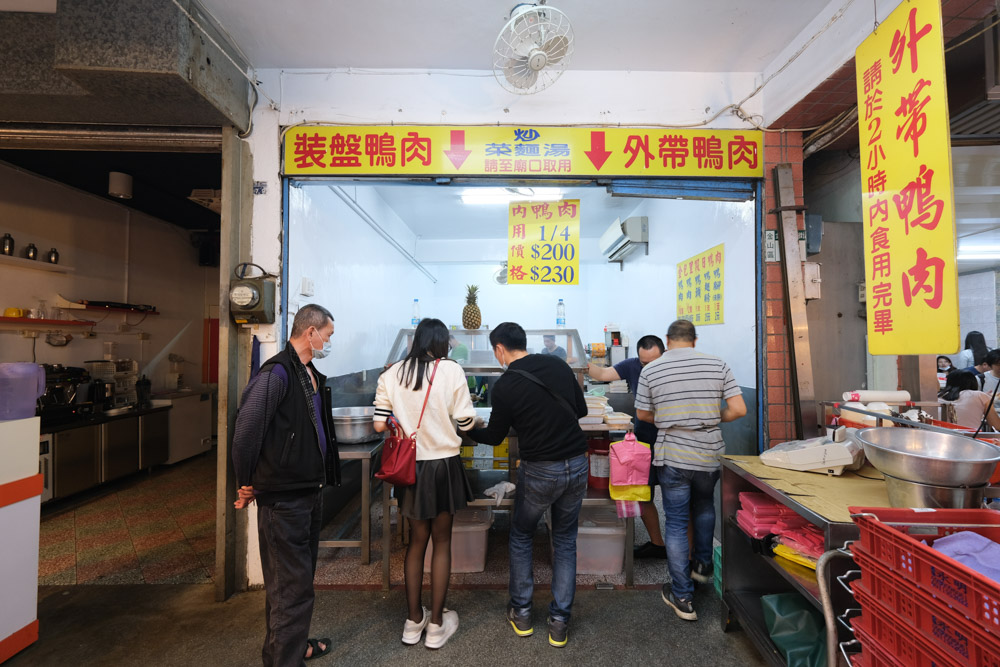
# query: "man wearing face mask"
284,452
542,400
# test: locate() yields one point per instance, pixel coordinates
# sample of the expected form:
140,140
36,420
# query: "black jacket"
290,456
546,431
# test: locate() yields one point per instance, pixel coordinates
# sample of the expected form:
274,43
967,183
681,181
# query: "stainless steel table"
364,452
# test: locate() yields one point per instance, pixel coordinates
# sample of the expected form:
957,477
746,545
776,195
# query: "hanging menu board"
701,287
543,243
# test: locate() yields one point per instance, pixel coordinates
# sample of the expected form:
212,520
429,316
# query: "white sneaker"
413,631
438,635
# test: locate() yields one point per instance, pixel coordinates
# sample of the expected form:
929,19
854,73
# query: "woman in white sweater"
441,489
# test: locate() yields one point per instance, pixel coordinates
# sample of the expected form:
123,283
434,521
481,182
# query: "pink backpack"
630,462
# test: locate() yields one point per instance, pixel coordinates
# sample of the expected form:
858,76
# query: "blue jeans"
560,485
687,495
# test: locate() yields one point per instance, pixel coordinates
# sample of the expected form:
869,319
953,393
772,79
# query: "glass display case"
471,348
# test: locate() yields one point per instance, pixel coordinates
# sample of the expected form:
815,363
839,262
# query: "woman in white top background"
962,391
441,486
975,350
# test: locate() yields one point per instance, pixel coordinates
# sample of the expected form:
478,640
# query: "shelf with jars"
38,264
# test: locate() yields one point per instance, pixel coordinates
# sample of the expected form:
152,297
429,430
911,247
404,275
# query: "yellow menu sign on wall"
543,243
906,181
701,287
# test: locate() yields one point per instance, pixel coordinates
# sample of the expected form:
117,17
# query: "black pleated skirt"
441,487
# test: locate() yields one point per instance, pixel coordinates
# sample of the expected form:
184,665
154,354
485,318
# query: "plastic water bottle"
415,320
560,315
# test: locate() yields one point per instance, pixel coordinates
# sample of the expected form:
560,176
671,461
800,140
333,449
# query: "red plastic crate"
958,637
888,642
872,654
905,551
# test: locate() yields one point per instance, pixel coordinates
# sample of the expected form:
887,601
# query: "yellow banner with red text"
521,151
906,181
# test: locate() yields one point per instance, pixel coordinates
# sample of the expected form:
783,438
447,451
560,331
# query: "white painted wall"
118,255
365,282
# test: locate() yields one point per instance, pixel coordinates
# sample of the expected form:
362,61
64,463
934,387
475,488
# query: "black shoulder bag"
559,399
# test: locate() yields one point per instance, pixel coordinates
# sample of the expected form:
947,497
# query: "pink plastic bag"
630,461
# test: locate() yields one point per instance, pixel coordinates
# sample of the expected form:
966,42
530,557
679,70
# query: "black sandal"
317,653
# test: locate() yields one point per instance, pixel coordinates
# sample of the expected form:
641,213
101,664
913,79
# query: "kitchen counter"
100,418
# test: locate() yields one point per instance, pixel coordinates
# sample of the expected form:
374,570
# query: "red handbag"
399,454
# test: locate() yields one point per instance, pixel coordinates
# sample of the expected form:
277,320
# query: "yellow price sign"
701,287
908,204
543,243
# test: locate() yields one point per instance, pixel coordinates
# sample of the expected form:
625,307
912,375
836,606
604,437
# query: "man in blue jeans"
681,393
540,398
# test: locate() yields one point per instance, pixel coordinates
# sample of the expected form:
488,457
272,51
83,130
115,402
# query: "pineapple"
471,317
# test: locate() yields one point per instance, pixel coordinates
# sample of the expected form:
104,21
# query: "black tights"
421,531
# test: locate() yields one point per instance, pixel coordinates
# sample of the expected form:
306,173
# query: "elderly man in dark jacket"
284,453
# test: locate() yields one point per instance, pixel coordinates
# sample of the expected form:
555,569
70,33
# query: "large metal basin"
353,425
929,457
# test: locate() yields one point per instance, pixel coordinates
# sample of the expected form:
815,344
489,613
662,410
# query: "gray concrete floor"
182,625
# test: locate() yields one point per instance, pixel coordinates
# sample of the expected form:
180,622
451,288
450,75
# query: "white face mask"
323,351
502,360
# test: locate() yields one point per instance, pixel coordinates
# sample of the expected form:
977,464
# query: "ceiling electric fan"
533,49
500,276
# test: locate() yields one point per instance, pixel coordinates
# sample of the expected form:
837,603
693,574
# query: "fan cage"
523,33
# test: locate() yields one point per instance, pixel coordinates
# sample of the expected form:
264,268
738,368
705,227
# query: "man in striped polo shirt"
681,393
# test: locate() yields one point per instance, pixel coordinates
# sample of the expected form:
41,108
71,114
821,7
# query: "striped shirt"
684,390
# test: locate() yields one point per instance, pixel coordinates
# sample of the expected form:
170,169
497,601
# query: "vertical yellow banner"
543,243
701,287
906,182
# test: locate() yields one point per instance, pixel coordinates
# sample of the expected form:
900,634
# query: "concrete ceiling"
654,35
434,212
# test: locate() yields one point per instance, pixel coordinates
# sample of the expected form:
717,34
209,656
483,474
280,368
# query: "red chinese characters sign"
521,151
906,182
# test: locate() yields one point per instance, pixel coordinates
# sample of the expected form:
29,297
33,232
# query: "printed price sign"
701,287
543,243
906,181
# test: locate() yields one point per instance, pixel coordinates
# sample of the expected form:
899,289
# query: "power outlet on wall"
123,327
308,287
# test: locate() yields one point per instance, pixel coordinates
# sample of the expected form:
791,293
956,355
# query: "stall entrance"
379,253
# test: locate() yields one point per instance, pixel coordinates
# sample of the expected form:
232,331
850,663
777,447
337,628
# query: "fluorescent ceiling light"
979,255
504,196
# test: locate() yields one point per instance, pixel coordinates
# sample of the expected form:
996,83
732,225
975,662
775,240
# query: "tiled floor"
160,528
154,529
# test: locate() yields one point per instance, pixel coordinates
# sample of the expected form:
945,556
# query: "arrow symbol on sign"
597,154
457,154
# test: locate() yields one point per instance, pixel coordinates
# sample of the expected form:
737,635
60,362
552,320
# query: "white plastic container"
600,542
468,540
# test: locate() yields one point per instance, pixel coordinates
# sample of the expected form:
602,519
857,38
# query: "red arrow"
597,154
458,154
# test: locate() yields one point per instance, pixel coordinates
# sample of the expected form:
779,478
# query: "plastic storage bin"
600,542
20,386
903,548
468,540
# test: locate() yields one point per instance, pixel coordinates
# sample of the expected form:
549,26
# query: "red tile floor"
156,528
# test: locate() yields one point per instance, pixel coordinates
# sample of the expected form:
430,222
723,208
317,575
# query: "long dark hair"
956,383
430,342
976,342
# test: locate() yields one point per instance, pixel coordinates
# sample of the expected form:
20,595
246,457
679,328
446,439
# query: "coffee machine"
63,400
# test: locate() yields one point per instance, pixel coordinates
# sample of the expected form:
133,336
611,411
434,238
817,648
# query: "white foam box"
600,541
469,533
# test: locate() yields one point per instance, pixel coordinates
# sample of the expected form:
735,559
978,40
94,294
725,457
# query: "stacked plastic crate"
919,606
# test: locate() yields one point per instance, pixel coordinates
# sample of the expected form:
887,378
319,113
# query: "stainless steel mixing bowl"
353,425
929,457
903,493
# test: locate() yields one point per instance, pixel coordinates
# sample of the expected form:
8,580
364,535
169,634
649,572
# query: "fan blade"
519,74
556,49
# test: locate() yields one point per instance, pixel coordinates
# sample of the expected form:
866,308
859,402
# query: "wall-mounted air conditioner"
622,238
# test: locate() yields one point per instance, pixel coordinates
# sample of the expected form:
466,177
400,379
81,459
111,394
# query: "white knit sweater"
447,405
